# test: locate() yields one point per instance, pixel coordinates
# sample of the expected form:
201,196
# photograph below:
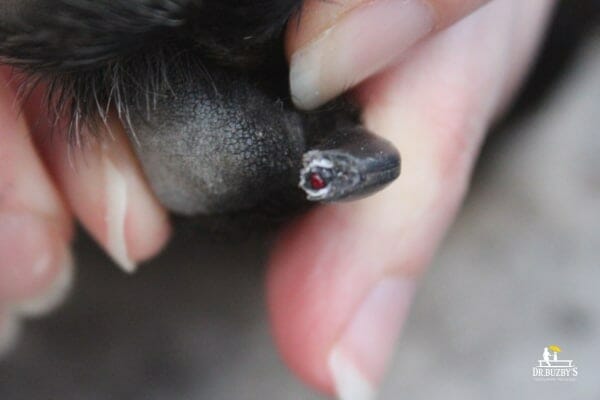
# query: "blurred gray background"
518,271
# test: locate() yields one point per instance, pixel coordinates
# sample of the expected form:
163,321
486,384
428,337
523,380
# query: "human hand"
44,186
341,279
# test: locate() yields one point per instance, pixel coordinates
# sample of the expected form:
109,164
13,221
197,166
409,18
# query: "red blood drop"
316,182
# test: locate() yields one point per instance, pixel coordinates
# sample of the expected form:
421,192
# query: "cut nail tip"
350,383
52,297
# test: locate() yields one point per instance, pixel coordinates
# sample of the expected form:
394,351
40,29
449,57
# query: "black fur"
98,55
59,35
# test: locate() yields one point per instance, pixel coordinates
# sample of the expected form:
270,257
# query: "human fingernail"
137,226
108,192
54,295
358,360
116,212
31,254
360,43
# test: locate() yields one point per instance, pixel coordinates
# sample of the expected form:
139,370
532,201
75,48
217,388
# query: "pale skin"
340,279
